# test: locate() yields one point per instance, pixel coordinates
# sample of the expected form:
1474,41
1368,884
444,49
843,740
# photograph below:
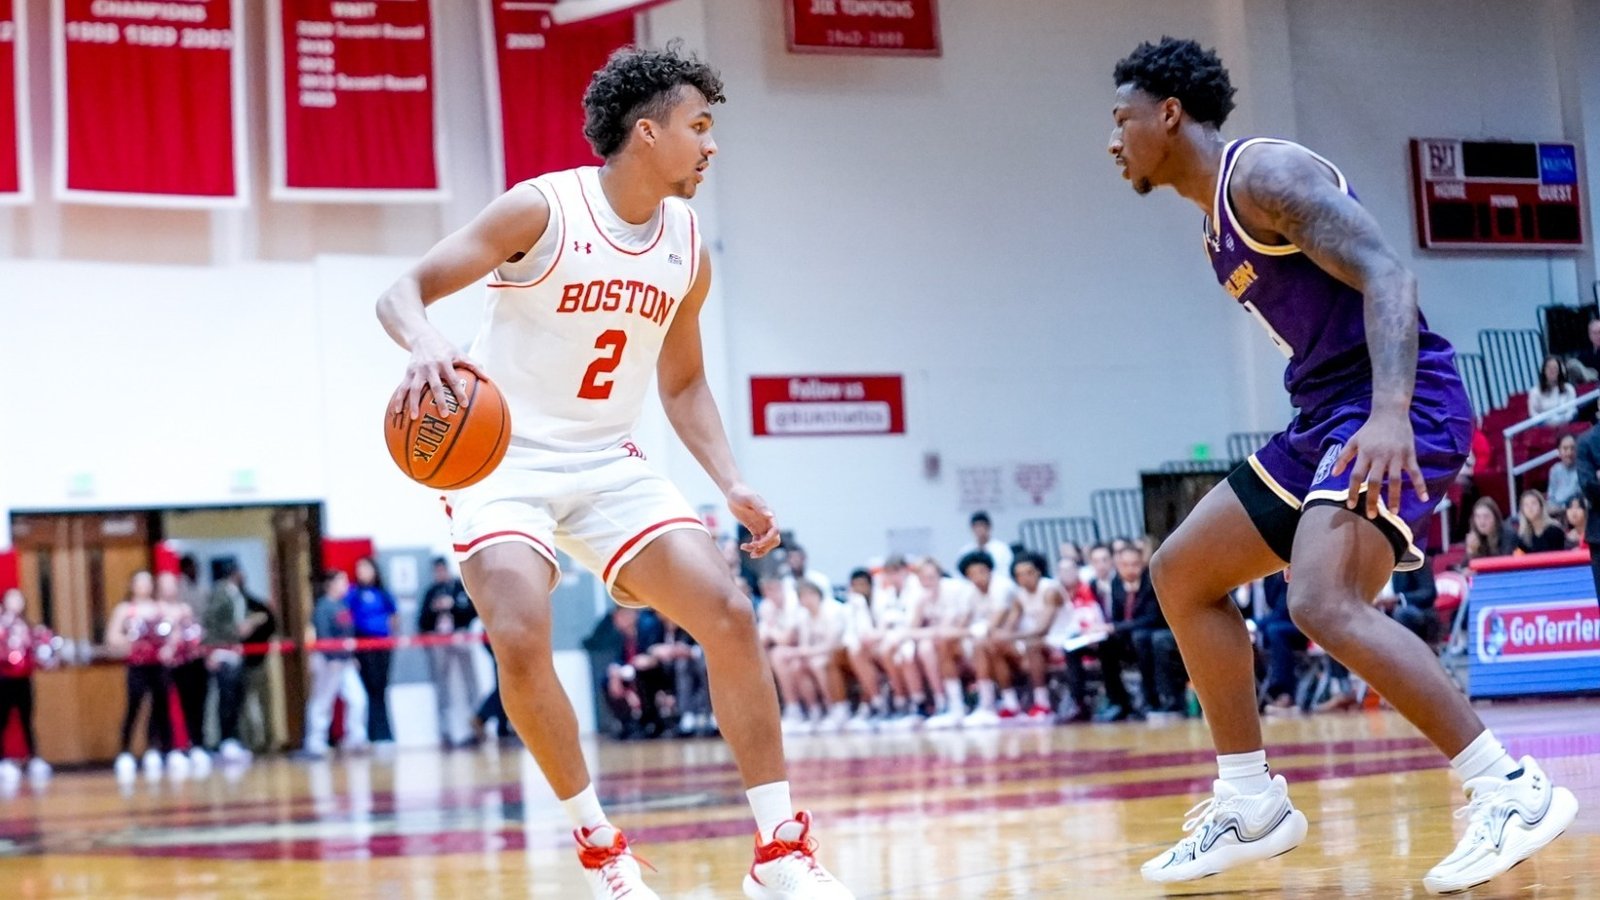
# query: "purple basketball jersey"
1316,320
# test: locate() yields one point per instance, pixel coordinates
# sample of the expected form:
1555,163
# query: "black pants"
17,694
648,685
148,682
374,666
1161,670
193,681
1283,640
230,699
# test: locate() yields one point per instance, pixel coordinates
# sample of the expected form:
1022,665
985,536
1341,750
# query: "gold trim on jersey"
1222,203
1270,482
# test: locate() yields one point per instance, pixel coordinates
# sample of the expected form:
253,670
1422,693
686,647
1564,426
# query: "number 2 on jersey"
612,342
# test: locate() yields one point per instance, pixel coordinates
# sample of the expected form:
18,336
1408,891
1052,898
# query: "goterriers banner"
15,179
539,71
149,102
354,101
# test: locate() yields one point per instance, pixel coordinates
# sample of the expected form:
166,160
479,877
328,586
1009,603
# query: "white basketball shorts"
599,507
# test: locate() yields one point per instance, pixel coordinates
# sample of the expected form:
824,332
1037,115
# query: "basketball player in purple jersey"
1379,405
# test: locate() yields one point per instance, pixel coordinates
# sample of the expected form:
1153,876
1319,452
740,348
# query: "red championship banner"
354,100
538,71
15,168
876,27
149,102
827,405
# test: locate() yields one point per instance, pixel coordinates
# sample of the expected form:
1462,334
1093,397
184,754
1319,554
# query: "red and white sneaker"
1040,715
787,868
609,867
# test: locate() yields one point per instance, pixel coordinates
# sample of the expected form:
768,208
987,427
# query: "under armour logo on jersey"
675,259
633,449
580,247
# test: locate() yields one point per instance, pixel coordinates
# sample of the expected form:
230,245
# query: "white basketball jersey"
573,329
1035,608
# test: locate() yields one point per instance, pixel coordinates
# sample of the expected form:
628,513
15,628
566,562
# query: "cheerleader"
139,632
184,657
23,649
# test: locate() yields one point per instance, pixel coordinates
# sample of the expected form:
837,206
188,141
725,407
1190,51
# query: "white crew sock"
1246,772
1008,700
771,806
1041,697
953,697
1484,756
986,695
584,810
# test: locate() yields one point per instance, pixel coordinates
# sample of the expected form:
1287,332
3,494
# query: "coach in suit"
1139,635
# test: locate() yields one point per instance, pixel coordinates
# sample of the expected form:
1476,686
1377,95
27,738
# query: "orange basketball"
454,451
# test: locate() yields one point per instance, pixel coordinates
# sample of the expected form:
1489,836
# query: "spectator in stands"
24,648
373,610
1489,535
1069,559
636,680
1102,574
1281,639
1589,481
1563,484
225,626
255,713
1078,628
333,673
983,539
1408,599
1537,532
682,656
1589,357
1553,391
1577,516
798,568
447,611
1138,634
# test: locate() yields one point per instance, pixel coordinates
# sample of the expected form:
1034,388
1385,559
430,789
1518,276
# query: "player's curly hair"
1181,69
641,83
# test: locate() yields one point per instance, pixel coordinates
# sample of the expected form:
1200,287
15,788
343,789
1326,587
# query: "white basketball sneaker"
1231,829
787,868
1509,820
609,866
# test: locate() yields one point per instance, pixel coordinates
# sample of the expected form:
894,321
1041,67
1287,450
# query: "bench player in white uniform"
1020,640
598,276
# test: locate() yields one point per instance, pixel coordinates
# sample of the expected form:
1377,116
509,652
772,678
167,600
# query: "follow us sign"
827,405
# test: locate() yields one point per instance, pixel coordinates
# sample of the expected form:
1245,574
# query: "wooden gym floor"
1016,812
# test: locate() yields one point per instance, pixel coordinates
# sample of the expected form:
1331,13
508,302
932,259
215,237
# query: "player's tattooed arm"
1287,192
1283,190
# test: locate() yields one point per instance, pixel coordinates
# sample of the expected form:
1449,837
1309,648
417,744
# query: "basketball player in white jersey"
1019,641
597,279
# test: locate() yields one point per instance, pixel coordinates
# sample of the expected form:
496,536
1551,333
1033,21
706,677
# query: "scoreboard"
1496,195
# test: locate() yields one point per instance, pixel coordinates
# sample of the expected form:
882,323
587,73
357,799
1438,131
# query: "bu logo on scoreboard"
1442,159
